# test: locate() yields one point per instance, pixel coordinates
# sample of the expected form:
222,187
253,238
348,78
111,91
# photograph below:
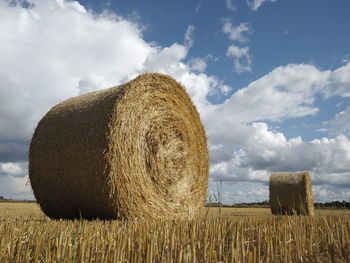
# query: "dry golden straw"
27,237
291,193
137,150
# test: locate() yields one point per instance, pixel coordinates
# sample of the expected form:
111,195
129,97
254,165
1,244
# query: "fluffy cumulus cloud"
242,58
15,188
198,64
14,180
264,151
237,33
245,192
251,195
170,60
255,4
339,82
245,149
285,92
328,193
17,169
340,124
53,50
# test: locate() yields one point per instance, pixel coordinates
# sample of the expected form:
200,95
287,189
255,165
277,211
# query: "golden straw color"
291,193
137,150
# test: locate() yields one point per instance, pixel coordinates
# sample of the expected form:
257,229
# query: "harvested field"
239,235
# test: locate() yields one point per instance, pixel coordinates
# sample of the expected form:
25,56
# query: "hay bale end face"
291,193
137,150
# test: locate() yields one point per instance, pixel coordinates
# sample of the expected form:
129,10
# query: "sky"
270,78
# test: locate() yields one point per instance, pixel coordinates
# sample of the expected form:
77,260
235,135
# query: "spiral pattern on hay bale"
137,150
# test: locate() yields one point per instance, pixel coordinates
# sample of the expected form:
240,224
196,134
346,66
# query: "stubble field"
218,235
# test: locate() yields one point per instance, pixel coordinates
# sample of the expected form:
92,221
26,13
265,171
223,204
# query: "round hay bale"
137,150
291,193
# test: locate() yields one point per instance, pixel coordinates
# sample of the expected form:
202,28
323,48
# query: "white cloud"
229,5
255,195
199,86
15,188
92,82
242,193
283,93
49,52
18,169
264,151
246,192
242,58
188,36
286,92
237,33
82,52
244,149
255,4
346,59
160,60
340,124
169,60
325,193
14,181
57,49
198,64
339,82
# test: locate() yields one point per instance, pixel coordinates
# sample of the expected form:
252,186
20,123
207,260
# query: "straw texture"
291,193
137,150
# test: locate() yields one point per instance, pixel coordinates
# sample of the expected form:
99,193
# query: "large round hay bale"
137,150
291,193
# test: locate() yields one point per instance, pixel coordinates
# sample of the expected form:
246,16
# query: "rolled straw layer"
137,150
291,193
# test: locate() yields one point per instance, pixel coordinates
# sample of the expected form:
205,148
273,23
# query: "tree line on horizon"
333,204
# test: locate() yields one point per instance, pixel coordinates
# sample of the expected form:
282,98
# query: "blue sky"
270,78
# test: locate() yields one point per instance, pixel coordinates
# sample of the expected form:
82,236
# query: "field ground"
25,211
232,211
218,235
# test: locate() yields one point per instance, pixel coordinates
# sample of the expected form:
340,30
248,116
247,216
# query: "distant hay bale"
291,193
137,150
